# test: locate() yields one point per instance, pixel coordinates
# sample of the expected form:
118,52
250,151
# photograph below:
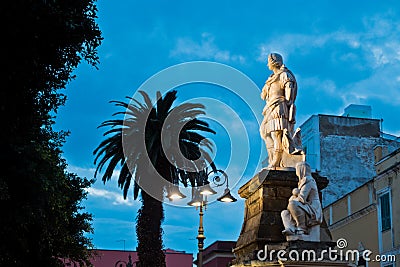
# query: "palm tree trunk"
149,232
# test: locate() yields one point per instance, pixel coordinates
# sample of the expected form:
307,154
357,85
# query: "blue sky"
342,52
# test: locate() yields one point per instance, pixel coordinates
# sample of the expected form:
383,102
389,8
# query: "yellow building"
368,218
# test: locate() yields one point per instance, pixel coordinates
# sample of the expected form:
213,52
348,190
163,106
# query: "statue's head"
303,169
275,60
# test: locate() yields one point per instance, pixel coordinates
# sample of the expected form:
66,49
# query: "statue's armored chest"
275,89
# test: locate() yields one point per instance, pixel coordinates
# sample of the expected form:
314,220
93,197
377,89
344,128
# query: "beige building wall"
356,216
339,210
359,231
388,181
360,198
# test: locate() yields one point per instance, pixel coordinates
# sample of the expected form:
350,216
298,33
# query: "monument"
277,128
283,212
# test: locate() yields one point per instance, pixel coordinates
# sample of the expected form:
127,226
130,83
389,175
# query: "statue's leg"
263,129
299,215
288,223
291,129
278,149
269,142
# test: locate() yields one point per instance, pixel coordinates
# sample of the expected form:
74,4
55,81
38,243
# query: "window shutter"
385,212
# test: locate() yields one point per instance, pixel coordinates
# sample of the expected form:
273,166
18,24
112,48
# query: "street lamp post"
200,238
121,263
199,200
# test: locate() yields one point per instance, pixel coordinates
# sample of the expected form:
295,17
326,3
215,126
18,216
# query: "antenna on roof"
122,240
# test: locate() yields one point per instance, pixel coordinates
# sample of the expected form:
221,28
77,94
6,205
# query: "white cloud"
85,172
378,42
379,56
372,52
327,86
115,197
382,85
206,49
113,193
286,44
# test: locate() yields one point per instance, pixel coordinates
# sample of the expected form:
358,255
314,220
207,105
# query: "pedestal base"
266,195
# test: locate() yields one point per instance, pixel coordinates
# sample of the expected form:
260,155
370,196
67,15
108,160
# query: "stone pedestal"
267,194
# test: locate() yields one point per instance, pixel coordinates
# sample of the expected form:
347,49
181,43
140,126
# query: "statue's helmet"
275,59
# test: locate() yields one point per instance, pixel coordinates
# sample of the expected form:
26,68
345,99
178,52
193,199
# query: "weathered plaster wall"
348,162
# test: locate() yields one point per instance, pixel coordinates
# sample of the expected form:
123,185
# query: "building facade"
368,218
341,148
120,258
218,254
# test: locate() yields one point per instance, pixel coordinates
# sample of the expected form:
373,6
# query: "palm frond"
188,106
107,145
164,106
141,106
124,174
139,133
147,99
197,125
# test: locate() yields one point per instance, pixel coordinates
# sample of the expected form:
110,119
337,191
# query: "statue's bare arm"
289,87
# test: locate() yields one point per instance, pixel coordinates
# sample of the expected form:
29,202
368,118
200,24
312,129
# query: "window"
385,211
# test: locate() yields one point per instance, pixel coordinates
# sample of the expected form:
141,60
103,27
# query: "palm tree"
142,147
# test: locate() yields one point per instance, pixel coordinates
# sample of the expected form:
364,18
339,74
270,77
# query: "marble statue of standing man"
279,92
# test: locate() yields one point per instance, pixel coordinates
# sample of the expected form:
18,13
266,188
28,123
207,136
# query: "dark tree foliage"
42,218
